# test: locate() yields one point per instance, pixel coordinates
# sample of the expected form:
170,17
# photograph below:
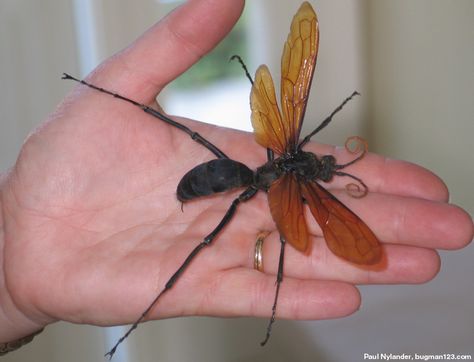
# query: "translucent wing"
346,234
297,68
286,207
268,126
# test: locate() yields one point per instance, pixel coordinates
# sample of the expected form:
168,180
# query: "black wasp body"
222,175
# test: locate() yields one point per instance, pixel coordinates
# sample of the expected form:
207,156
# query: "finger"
168,48
413,222
385,175
409,221
243,292
394,219
401,264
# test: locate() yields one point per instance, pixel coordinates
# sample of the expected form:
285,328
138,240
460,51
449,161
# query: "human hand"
93,230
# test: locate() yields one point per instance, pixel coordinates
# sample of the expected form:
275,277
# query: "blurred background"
412,60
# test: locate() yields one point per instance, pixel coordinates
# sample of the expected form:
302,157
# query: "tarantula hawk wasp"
290,178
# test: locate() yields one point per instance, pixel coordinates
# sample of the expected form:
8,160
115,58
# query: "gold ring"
258,256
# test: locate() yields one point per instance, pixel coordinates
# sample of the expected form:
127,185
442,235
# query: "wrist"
13,323
14,345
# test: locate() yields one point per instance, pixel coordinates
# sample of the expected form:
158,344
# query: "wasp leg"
326,121
240,60
194,135
270,156
278,283
244,196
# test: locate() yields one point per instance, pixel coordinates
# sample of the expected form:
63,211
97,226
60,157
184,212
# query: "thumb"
168,48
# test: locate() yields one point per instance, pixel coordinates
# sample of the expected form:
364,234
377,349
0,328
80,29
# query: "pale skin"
91,229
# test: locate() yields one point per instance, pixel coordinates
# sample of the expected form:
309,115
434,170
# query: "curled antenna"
354,145
355,190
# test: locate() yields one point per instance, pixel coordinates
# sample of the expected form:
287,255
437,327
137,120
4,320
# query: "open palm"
93,229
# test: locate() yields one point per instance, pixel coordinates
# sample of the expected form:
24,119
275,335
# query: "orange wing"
271,130
286,207
346,234
297,67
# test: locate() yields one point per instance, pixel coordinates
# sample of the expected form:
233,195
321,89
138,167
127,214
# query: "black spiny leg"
278,283
239,59
247,74
326,121
270,155
194,135
244,196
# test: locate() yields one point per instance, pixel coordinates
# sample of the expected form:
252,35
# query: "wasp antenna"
355,190
354,144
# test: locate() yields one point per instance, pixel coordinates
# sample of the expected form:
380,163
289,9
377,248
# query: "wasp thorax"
266,175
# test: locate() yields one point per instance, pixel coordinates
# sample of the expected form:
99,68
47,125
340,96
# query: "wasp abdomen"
212,177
